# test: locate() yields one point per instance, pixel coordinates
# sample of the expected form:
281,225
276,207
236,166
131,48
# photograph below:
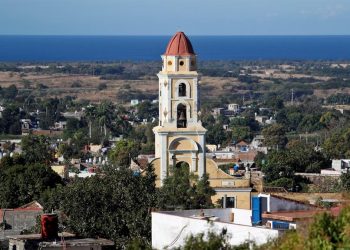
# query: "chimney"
49,226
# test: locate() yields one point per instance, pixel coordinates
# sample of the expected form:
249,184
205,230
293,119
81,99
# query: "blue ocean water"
110,48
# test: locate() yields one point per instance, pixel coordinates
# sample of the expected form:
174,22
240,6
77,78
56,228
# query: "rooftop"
179,45
292,216
69,240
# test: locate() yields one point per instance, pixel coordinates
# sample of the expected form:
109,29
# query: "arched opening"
181,116
183,165
182,89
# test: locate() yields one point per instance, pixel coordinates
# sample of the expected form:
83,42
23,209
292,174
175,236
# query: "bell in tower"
181,116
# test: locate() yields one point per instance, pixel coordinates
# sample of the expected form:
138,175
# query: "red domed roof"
179,45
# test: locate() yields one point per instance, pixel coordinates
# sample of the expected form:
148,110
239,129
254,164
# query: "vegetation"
107,205
326,232
22,182
183,190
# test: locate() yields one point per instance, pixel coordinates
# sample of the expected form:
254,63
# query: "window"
230,202
182,89
170,63
182,63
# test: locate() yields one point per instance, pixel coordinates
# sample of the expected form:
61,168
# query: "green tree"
116,206
183,190
10,92
345,181
123,151
337,145
36,149
105,115
211,241
275,136
21,184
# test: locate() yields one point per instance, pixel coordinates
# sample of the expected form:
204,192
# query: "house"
261,119
217,112
171,228
258,141
211,147
268,218
61,125
242,146
61,170
75,115
341,165
49,238
233,107
134,102
16,220
47,132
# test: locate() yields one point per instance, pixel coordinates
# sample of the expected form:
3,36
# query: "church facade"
180,136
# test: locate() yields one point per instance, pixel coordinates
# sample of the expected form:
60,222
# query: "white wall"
278,205
275,204
242,216
172,230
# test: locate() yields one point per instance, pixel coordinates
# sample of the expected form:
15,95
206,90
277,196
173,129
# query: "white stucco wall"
241,216
276,204
172,230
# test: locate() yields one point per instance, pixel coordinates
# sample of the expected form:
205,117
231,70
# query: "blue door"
256,216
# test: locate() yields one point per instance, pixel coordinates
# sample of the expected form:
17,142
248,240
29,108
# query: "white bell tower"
180,136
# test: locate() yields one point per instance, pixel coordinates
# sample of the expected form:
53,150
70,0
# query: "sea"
146,48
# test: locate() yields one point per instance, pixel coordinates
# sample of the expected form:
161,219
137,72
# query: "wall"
242,198
174,232
279,204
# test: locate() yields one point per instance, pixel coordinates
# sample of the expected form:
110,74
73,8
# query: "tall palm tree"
90,113
105,113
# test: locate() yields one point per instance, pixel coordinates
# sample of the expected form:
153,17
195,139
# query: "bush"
102,86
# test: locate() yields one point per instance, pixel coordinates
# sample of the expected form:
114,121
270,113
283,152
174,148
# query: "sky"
164,17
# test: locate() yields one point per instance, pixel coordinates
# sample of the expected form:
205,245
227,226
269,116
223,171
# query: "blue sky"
164,17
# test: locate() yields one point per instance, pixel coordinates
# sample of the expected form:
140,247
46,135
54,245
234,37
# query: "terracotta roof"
179,45
292,215
34,205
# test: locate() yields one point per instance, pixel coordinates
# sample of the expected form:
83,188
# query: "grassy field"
87,86
60,85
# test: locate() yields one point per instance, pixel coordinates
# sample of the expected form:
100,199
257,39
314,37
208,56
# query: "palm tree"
90,113
105,113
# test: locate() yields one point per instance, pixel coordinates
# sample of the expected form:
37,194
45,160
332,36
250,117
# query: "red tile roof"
292,215
179,45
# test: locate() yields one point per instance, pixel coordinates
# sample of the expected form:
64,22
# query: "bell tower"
180,136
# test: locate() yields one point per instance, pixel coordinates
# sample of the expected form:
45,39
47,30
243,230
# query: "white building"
233,107
134,102
268,218
341,165
170,229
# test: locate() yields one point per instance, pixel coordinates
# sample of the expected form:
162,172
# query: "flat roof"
69,240
37,236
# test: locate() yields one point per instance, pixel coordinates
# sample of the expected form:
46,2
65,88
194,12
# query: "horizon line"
104,35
